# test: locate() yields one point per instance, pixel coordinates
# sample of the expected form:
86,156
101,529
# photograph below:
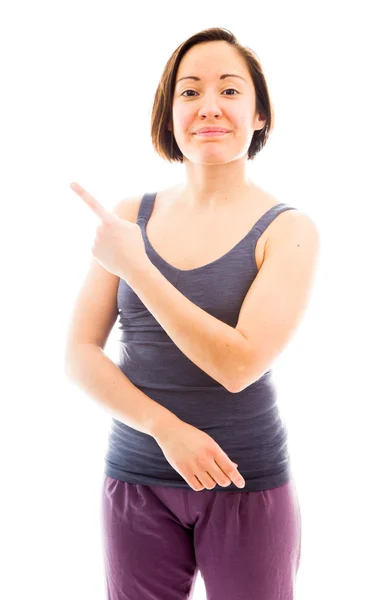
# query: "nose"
209,106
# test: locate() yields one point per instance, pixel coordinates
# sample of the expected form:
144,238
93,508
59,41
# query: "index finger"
93,204
233,473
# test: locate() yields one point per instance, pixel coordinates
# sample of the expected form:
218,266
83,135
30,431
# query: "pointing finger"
93,204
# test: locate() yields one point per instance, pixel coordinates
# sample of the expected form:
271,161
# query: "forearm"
215,347
93,371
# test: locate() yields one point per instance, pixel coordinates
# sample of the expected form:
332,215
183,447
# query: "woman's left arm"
269,315
215,347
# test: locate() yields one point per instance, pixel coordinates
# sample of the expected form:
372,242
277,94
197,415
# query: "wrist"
139,272
161,426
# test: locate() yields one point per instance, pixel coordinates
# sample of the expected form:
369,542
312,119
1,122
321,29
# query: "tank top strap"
270,215
146,205
148,199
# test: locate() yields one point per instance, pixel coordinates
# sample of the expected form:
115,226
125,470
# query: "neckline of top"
202,267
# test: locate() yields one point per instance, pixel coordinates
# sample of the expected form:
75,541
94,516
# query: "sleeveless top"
247,425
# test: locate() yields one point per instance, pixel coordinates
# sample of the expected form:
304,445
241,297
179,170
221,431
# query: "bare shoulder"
287,221
294,229
290,228
128,208
296,221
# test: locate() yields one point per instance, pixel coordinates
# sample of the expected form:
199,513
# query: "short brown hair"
163,139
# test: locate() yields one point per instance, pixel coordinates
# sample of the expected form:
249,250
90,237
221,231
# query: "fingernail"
240,483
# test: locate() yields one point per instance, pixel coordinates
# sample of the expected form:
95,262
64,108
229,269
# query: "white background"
78,81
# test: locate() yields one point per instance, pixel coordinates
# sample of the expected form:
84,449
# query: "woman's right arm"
93,371
86,364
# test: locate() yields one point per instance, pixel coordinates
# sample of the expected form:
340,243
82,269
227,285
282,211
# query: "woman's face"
211,101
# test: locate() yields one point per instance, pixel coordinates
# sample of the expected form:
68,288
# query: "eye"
226,90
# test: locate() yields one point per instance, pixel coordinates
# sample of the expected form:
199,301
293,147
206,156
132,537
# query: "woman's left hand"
119,245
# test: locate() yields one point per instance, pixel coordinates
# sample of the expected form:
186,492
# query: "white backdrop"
78,80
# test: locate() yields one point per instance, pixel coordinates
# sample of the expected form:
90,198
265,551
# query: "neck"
213,186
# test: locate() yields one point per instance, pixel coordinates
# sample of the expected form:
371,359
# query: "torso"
191,240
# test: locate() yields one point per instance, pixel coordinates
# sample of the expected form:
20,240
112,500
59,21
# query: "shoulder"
288,221
295,229
296,222
128,208
288,225
290,228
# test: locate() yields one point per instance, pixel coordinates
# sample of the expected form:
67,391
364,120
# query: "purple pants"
246,545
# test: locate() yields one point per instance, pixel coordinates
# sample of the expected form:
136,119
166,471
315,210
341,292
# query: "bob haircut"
163,139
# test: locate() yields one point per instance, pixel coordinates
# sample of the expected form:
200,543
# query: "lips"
212,130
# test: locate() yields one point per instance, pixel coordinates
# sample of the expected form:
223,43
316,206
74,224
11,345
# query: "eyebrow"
221,77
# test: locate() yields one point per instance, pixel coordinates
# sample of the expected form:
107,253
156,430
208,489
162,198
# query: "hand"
119,245
197,457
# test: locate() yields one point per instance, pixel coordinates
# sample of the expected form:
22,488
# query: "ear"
260,123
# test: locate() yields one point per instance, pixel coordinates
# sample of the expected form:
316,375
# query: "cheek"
240,119
240,114
183,119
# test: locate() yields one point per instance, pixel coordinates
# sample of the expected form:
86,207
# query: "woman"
231,271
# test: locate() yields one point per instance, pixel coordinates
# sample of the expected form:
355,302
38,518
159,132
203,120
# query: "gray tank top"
247,425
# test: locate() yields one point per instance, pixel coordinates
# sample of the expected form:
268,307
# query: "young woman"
225,278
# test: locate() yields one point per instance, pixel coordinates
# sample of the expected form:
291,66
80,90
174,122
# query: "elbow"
241,385
71,356
231,388
230,384
246,375
242,381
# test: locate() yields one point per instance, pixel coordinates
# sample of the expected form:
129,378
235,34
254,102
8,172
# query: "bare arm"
93,371
215,347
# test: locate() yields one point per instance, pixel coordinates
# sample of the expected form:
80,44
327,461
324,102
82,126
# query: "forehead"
211,59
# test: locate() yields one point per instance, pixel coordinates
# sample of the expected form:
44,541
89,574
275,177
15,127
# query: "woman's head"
240,104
